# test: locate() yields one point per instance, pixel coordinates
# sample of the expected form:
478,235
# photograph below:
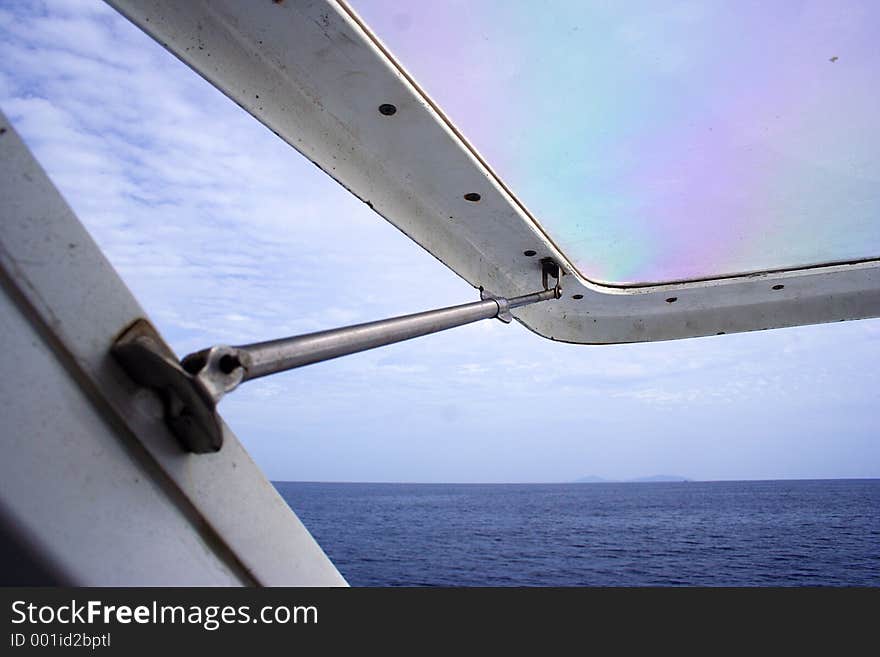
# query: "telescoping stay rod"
192,387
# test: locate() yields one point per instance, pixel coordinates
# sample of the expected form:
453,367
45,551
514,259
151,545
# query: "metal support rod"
191,388
221,369
287,353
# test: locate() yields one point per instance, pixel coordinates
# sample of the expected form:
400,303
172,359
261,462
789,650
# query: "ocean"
745,533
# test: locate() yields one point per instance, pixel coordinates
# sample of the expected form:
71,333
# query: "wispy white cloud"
227,235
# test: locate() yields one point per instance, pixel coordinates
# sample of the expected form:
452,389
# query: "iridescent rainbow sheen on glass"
661,141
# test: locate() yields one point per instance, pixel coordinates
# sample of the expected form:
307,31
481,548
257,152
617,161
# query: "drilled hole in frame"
473,197
529,253
777,287
387,109
672,300
577,296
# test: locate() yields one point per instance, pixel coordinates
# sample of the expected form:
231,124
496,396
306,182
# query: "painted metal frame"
314,74
93,486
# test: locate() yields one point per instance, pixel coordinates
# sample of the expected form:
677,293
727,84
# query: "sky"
227,235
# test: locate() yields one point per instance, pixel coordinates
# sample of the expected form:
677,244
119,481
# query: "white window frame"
315,75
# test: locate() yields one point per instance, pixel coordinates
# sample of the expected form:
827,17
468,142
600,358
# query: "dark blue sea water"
715,534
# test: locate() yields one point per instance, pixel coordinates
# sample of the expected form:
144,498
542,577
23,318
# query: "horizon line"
638,480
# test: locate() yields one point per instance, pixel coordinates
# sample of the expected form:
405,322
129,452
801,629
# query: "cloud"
227,235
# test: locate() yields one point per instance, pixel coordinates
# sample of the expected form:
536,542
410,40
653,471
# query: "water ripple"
667,534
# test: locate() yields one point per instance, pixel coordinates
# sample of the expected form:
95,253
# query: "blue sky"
227,235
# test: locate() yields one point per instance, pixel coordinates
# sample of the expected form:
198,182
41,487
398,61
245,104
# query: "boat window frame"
318,78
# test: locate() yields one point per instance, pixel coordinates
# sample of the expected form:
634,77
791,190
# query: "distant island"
660,478
591,479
